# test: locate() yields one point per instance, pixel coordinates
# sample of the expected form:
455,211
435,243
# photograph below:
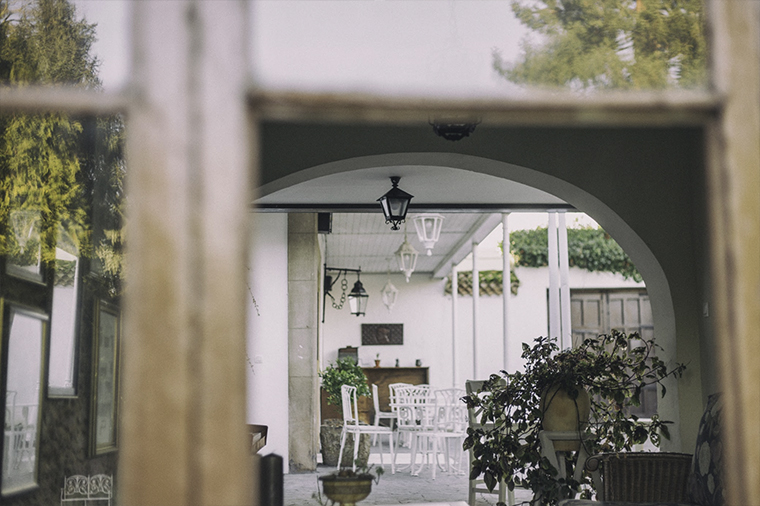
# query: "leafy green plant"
343,372
587,248
613,369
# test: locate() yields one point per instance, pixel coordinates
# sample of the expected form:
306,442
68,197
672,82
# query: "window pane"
485,48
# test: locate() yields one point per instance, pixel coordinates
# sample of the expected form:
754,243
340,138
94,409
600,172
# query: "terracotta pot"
561,413
377,363
346,490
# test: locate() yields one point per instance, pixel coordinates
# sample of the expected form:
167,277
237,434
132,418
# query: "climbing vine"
588,248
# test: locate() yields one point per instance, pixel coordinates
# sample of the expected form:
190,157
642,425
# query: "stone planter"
329,438
347,491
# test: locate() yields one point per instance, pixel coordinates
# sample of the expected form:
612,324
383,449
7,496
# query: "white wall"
268,331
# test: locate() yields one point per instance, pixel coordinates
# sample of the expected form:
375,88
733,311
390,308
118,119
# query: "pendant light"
428,227
389,292
357,299
406,256
395,203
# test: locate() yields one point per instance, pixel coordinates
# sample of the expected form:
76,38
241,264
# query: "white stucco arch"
404,164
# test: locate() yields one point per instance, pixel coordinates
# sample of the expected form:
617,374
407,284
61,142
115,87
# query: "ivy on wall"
490,283
588,248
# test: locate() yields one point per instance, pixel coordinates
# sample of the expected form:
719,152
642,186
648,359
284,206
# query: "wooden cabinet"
382,377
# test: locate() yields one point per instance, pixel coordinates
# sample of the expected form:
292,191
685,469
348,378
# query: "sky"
380,46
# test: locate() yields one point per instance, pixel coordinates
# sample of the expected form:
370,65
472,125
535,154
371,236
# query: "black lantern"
357,299
395,204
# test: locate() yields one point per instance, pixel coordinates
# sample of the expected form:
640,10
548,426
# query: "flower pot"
346,490
377,363
329,438
562,413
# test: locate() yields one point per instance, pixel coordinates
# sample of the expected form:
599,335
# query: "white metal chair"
412,405
478,485
351,425
446,424
87,490
380,415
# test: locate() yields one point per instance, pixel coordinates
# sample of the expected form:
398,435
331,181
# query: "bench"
86,490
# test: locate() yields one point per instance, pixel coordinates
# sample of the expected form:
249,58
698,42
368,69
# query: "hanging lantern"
406,256
389,294
428,227
395,204
357,299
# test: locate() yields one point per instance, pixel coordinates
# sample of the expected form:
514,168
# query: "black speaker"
324,223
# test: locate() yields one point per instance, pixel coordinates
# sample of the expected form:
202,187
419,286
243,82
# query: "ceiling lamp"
395,204
357,298
428,227
389,292
453,130
406,256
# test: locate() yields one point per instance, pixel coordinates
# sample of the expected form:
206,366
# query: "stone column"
304,263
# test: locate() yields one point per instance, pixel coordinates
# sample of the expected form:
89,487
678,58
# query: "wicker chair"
663,478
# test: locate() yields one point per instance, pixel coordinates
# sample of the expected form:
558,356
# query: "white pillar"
566,339
475,304
454,296
554,311
506,285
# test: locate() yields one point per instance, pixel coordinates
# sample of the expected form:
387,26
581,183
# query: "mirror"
24,344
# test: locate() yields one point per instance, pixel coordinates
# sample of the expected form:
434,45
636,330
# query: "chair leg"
377,424
357,437
342,444
393,455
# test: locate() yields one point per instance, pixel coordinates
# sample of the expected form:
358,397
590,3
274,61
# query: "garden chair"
380,415
351,425
478,485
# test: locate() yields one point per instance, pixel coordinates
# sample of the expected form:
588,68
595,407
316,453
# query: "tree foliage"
56,170
608,44
588,248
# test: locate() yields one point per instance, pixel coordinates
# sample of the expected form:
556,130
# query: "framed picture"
23,346
105,380
382,333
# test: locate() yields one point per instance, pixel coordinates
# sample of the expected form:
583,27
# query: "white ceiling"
470,202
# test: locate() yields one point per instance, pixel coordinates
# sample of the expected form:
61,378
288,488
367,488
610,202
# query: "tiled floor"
402,487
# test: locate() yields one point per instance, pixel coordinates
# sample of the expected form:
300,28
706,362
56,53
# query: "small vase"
377,363
346,491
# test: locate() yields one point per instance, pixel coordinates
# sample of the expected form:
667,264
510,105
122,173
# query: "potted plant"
348,487
377,360
343,372
612,369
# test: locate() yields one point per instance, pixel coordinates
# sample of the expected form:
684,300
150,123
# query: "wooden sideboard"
382,377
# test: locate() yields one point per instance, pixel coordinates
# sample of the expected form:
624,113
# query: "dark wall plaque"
382,333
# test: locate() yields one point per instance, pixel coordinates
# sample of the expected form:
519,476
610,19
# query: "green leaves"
607,44
343,372
588,248
607,366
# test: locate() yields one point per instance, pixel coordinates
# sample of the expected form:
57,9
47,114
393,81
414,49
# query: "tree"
56,170
608,44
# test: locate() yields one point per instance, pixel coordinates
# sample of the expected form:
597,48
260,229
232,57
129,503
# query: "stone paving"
399,488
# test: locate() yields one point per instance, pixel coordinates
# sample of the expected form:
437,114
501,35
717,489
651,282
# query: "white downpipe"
454,296
475,304
566,341
506,285
554,311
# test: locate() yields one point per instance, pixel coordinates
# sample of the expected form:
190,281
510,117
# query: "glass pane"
22,402
485,48
105,396
63,326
